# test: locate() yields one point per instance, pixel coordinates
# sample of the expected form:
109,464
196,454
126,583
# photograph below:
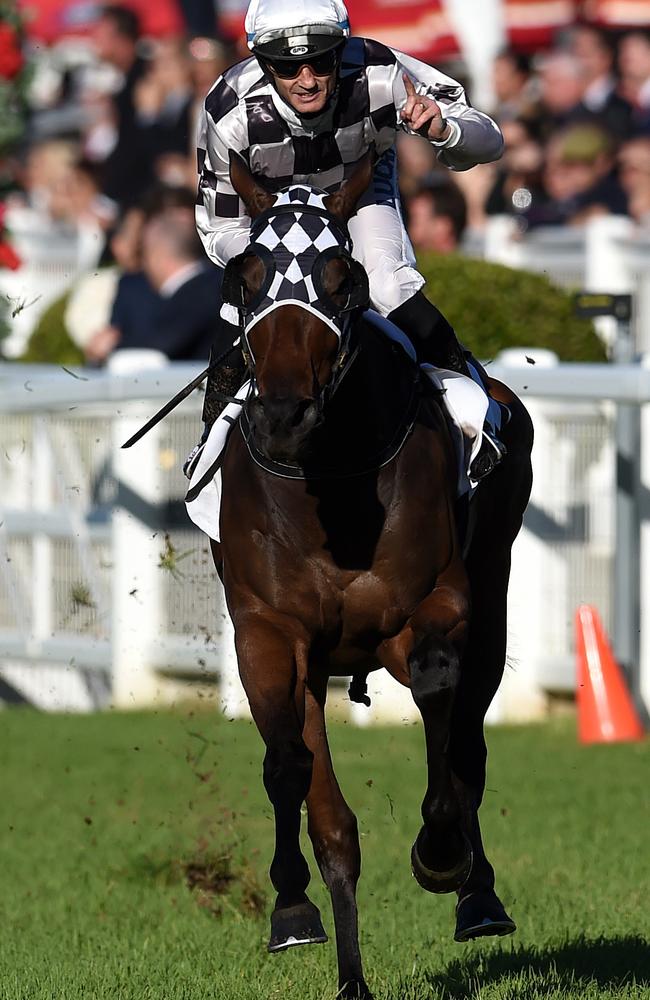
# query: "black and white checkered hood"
295,240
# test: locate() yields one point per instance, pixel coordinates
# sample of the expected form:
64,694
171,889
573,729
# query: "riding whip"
178,398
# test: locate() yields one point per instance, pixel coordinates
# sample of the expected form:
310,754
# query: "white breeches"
381,242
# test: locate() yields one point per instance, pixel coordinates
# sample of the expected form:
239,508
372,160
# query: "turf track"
134,848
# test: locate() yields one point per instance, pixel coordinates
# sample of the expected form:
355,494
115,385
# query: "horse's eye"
337,279
251,275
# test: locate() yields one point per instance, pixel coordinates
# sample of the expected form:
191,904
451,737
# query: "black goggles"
320,65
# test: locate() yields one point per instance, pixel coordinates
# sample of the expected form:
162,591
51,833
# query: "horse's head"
297,290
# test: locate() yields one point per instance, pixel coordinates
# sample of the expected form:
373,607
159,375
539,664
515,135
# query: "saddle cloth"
466,401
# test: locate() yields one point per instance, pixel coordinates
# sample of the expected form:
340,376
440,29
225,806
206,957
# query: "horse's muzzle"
282,425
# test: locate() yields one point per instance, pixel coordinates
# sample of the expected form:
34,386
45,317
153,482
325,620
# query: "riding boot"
225,379
432,335
436,344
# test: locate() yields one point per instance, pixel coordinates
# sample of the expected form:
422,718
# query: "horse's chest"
363,605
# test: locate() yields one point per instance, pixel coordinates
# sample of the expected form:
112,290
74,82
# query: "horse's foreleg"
333,831
269,672
441,855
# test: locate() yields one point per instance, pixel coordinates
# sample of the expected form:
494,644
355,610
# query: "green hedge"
50,343
493,307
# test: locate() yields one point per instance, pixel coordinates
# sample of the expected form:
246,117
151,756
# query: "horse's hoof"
296,925
356,990
481,914
439,882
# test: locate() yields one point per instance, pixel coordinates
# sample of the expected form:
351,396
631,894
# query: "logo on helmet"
299,50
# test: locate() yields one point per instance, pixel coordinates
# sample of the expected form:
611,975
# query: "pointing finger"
408,83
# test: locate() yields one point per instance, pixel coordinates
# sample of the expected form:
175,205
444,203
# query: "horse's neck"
373,397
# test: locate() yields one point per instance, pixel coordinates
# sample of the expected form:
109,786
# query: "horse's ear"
254,196
344,201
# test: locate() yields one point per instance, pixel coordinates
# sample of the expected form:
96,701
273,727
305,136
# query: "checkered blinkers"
294,240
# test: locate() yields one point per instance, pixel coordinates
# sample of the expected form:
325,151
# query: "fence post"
137,543
606,266
42,485
628,474
501,245
641,681
617,309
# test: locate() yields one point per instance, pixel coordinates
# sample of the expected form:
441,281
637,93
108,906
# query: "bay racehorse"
344,549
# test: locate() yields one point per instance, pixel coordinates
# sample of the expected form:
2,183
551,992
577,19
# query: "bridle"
340,318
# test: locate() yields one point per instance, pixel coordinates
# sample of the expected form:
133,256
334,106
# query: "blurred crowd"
576,122
109,149
109,152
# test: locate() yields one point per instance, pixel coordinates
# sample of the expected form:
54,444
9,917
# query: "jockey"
304,109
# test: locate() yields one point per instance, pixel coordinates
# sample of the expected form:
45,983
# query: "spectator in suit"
127,167
117,303
634,62
134,305
593,49
562,86
187,321
164,101
511,79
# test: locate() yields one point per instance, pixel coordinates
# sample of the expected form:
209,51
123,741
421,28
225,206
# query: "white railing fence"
108,593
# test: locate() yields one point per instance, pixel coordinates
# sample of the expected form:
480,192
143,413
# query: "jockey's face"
307,93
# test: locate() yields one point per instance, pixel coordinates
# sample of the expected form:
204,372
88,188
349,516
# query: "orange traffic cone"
606,712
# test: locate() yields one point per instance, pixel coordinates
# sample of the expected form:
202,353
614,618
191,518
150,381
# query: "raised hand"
421,114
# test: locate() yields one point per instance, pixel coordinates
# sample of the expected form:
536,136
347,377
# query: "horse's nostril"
301,412
283,415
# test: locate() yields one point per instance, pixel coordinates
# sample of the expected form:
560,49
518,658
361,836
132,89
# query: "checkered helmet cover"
295,240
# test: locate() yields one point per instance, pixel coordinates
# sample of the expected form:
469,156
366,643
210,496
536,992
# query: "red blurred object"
8,257
606,712
11,58
50,20
420,28
618,13
532,24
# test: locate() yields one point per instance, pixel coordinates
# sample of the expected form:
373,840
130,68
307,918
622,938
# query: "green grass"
104,819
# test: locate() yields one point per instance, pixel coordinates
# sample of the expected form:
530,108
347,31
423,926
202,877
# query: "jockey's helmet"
317,30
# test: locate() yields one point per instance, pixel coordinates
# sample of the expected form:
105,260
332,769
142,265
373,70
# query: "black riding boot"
435,343
432,335
225,379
